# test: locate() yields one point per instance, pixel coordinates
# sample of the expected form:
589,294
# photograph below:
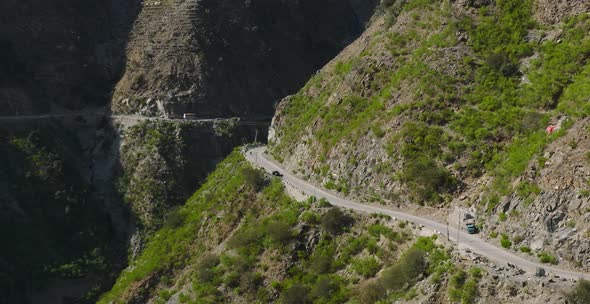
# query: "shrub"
204,268
379,229
310,217
323,203
427,179
456,284
463,288
371,291
525,249
526,189
505,242
580,294
547,258
279,231
324,288
296,294
502,64
249,282
174,218
253,177
334,221
469,291
405,271
502,217
367,267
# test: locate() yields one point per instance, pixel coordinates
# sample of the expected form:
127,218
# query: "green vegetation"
53,221
335,221
580,294
366,267
261,226
547,258
169,247
423,258
489,115
463,286
525,249
505,241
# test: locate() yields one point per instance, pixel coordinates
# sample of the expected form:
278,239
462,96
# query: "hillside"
445,105
61,55
443,109
110,180
227,58
244,238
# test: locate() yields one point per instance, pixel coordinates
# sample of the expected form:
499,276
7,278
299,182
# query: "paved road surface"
129,118
467,241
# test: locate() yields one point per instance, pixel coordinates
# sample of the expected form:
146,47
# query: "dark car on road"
277,173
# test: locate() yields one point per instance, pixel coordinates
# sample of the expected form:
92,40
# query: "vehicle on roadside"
471,228
277,174
189,116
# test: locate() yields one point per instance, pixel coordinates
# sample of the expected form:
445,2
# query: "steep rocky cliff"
228,58
80,193
61,55
112,180
445,104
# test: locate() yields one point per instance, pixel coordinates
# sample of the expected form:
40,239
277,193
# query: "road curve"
467,241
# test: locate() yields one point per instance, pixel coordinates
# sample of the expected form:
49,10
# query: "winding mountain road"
130,118
467,241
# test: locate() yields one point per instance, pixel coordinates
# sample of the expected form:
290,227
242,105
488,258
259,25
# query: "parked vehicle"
471,228
277,173
189,116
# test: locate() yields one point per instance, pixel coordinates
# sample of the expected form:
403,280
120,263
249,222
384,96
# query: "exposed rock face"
64,182
556,219
60,54
227,58
556,11
365,163
163,162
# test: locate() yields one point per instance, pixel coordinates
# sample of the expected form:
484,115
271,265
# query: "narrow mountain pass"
466,241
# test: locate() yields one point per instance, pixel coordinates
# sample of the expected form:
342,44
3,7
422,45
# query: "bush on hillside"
580,294
371,292
279,231
335,221
296,294
174,218
253,177
405,271
428,180
204,268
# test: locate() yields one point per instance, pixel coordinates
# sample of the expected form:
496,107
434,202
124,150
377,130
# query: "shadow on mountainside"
76,192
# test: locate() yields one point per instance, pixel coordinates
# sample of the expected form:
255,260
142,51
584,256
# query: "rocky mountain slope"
243,238
119,174
445,104
227,58
79,192
424,112
61,54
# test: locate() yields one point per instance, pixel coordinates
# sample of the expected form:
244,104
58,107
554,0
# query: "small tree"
253,177
296,294
371,291
334,221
